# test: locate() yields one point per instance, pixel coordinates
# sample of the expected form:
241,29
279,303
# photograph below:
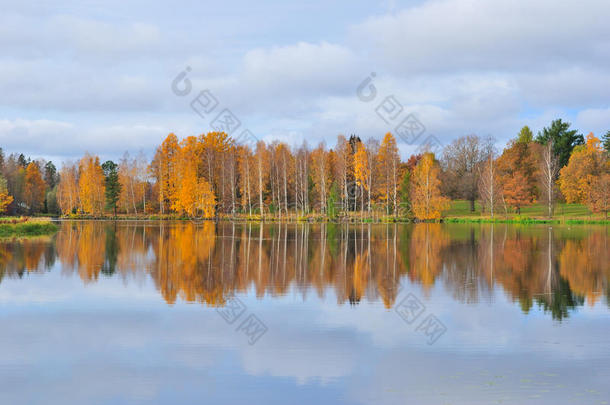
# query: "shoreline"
524,220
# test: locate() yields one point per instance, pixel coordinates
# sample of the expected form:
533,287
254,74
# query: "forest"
212,176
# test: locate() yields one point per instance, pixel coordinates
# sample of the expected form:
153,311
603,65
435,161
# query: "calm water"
183,313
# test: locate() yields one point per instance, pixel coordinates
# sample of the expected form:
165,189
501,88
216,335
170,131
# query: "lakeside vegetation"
555,176
458,212
25,227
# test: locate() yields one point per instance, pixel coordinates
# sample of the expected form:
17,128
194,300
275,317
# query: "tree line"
211,175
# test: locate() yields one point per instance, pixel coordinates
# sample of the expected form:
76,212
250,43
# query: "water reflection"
556,268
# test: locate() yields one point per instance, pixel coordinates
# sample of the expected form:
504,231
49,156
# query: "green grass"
27,229
461,208
459,212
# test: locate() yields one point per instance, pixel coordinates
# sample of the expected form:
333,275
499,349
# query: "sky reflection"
73,333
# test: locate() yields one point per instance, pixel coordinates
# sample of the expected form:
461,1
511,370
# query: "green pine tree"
564,139
606,141
113,187
331,201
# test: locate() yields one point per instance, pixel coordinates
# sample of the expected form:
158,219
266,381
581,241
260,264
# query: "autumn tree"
285,166
195,196
231,178
215,149
427,201
490,186
67,190
320,171
362,173
547,173
600,195
14,172
35,188
5,198
461,168
261,157
142,179
404,193
413,161
344,164
389,162
164,169
91,187
518,171
583,179
246,177
301,178
129,197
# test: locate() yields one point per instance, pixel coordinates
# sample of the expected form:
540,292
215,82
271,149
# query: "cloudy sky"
97,76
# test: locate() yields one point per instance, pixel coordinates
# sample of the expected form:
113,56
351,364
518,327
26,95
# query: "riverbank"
524,220
458,212
356,219
25,227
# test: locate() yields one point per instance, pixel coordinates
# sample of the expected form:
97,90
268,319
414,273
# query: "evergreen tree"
606,141
525,135
22,161
113,187
333,198
50,174
564,139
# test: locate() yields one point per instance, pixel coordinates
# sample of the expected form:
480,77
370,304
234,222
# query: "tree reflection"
555,269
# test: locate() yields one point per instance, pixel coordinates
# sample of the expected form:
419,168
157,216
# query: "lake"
185,313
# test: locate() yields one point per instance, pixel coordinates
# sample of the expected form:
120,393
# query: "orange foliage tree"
362,172
165,170
195,196
321,174
389,162
585,178
5,198
428,203
67,189
91,185
211,173
34,188
517,167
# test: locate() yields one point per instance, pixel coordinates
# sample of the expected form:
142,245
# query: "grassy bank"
459,212
24,228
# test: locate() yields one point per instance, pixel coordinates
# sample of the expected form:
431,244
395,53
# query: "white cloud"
463,66
48,138
450,35
596,120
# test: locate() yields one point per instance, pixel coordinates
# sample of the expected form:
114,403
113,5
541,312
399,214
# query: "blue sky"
96,76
